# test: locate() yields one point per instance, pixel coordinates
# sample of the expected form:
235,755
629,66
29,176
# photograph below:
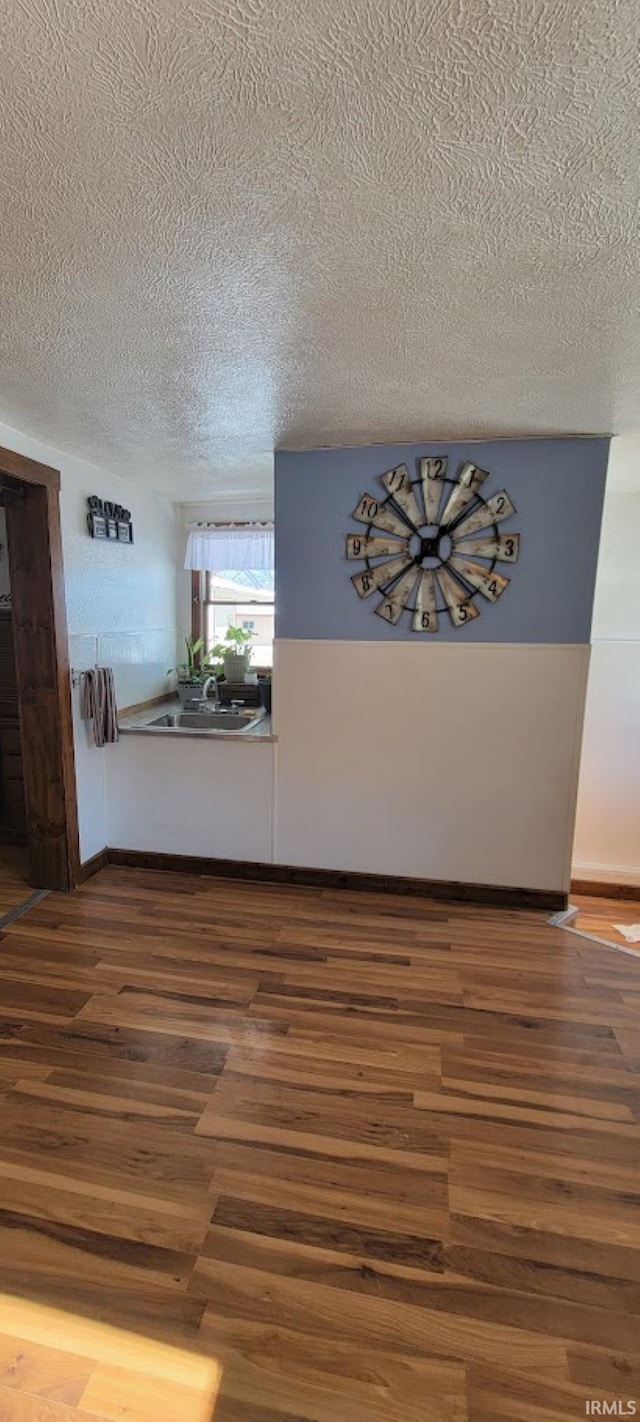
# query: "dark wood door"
42,674
13,825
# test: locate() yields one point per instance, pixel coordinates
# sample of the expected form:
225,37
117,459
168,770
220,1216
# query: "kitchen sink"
207,720
219,720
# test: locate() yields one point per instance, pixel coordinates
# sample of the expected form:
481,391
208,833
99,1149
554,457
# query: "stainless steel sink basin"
218,720
207,720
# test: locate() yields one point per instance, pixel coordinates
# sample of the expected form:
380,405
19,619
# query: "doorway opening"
38,814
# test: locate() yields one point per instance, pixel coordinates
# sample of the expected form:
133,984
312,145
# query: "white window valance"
220,548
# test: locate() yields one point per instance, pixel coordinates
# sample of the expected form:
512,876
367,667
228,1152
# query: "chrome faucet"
205,690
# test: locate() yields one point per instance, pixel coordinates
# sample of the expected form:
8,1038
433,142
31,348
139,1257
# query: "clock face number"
471,479
394,602
490,584
389,610
358,546
433,473
503,548
397,482
425,617
396,479
461,609
367,509
495,509
374,578
429,542
370,511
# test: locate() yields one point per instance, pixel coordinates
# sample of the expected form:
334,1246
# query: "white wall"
374,771
447,762
121,605
193,796
607,838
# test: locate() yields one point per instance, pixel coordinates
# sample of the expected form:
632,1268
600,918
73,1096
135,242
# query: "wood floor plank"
365,1158
375,1322
24,1407
115,1392
600,917
43,1372
14,877
331,1381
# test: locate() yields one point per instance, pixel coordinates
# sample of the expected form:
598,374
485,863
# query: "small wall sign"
107,520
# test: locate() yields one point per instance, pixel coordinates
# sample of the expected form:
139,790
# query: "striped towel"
98,704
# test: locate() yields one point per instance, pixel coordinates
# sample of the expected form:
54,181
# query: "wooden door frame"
41,646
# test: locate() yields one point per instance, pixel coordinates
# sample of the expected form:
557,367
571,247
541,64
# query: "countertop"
137,724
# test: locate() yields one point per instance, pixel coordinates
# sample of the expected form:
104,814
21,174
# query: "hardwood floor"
14,881
599,917
274,1153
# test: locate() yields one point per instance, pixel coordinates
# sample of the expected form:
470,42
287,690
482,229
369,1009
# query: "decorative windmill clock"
422,542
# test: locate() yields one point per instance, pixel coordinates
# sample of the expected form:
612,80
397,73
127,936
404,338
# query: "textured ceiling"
231,224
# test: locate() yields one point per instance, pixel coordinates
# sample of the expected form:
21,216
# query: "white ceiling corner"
229,226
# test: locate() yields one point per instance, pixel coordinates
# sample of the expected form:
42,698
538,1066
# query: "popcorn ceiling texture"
230,224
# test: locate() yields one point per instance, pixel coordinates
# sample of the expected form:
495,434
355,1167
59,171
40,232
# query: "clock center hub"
431,546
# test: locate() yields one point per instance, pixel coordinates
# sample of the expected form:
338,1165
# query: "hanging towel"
98,704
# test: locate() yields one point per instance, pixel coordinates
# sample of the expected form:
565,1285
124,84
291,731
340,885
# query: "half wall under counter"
201,794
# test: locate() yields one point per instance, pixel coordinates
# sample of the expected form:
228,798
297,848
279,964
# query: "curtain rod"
239,523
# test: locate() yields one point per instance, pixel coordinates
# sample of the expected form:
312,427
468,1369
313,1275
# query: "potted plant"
234,654
190,675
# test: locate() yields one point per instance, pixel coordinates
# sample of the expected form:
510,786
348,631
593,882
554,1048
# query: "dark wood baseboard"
600,889
491,894
93,866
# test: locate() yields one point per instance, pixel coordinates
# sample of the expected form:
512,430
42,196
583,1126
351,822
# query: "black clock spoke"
371,579
501,548
468,484
459,603
397,482
396,598
485,580
376,513
493,511
359,545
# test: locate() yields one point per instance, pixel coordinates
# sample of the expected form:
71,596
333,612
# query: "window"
233,584
235,599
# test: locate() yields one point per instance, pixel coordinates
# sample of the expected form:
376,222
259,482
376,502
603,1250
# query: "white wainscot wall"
183,795
607,842
443,762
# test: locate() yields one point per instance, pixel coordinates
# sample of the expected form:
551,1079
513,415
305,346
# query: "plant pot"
189,691
235,666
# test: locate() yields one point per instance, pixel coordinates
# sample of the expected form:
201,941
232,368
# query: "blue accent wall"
557,486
